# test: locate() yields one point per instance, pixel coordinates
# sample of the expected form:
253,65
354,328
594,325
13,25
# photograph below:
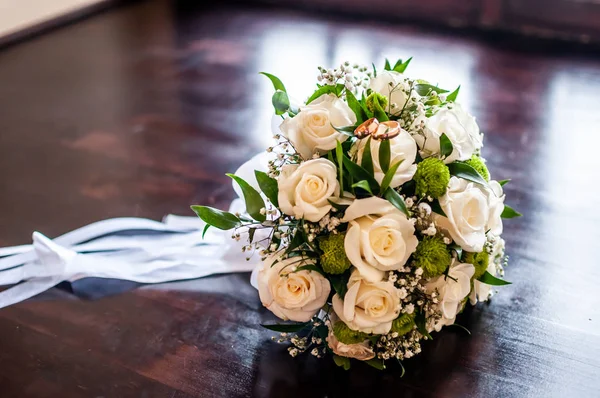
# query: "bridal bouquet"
376,218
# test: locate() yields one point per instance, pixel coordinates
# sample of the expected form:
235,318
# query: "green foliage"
479,260
376,363
509,212
378,108
446,147
433,256
254,202
342,362
421,322
355,105
389,175
217,218
477,163
268,186
384,156
340,283
452,96
503,182
376,98
367,160
326,89
466,172
363,184
490,279
394,198
281,102
346,335
431,178
333,259
359,173
277,84
288,327
403,324
400,66
424,89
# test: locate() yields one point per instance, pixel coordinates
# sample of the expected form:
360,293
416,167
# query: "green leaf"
254,202
490,279
376,363
251,232
424,89
268,185
363,184
310,267
509,212
503,182
374,70
421,322
458,250
394,198
464,171
446,147
286,328
217,218
367,160
387,65
389,175
361,114
339,155
384,155
277,84
206,227
281,102
360,173
461,327
326,89
452,96
401,66
340,283
347,130
342,362
378,111
436,208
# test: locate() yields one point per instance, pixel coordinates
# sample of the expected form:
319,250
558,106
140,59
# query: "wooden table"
141,110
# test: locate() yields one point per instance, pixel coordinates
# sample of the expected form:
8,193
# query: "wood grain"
141,110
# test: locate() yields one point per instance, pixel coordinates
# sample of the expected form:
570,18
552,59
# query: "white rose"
295,296
471,211
452,291
305,188
311,131
368,307
402,149
460,128
379,238
394,87
482,291
360,351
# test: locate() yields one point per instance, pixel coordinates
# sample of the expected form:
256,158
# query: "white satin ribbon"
150,252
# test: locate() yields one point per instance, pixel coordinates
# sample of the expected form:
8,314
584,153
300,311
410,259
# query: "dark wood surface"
141,110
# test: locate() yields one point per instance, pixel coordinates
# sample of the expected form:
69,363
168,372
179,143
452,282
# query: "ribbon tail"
27,290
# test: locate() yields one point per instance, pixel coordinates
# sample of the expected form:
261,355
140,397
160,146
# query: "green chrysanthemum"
432,177
346,335
432,255
334,259
381,99
403,324
479,260
477,163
